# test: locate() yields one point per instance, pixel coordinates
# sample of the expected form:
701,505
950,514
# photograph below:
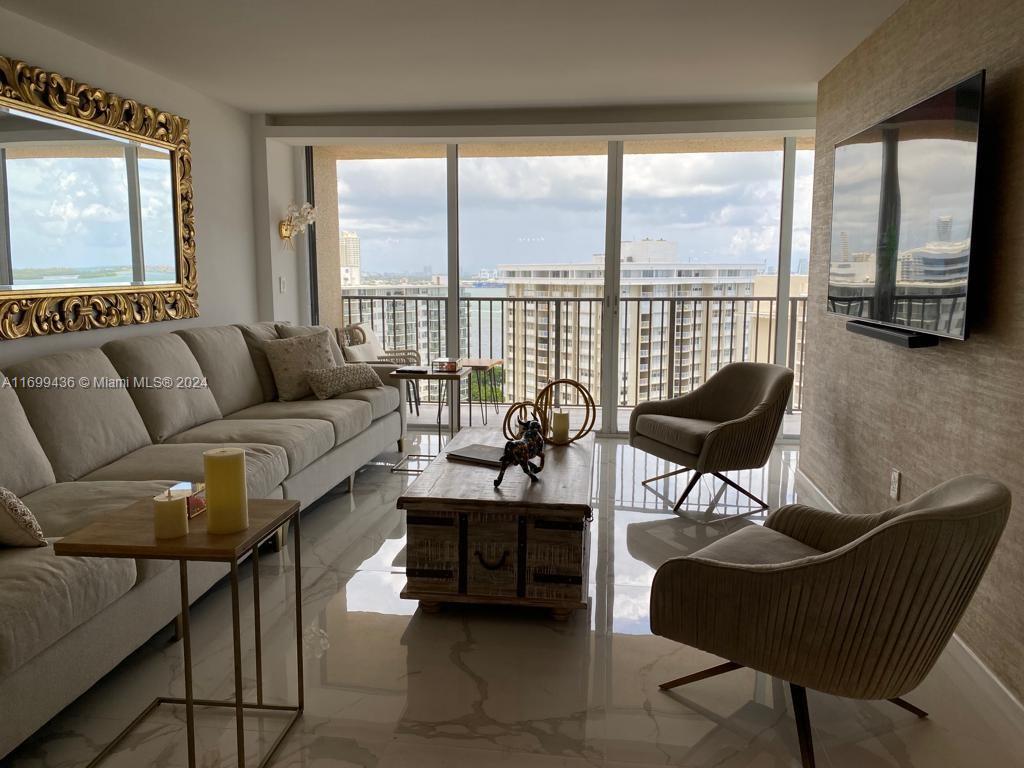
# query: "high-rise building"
351,259
677,323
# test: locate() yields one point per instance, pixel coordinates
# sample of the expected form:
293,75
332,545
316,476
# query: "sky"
719,207
73,212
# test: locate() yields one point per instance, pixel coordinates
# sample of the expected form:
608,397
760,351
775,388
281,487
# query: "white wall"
221,171
282,269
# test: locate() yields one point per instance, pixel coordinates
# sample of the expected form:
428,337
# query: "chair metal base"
693,483
801,712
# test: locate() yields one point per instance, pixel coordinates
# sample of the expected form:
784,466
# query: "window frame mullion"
6,258
131,161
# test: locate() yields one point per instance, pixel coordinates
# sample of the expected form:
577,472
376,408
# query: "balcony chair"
360,344
859,606
729,423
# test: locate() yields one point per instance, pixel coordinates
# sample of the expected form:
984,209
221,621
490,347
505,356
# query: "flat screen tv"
902,213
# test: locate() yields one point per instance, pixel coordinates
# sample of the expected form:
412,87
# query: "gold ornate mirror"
96,217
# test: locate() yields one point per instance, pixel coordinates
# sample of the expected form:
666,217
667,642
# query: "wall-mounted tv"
902,213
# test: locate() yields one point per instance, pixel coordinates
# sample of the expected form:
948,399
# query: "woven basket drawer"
554,560
491,554
432,552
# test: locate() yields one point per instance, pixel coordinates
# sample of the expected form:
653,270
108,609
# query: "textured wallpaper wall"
959,407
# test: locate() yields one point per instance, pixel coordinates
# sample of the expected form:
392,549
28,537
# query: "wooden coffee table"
521,544
129,533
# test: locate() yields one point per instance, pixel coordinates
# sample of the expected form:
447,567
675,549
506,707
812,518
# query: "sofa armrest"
384,370
822,530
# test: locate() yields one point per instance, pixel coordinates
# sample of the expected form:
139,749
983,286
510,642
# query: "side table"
483,371
451,383
129,533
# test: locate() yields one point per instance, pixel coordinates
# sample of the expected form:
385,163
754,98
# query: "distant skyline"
721,207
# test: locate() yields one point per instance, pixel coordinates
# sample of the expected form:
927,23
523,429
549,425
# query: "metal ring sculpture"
514,411
545,405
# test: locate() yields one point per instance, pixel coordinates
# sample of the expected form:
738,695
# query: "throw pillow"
331,382
291,358
362,343
291,331
18,526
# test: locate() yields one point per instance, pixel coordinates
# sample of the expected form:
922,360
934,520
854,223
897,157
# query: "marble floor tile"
388,686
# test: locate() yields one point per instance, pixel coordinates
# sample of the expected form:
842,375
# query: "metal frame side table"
448,393
483,370
129,533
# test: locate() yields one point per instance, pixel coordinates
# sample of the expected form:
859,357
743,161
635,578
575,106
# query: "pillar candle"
170,515
560,426
227,501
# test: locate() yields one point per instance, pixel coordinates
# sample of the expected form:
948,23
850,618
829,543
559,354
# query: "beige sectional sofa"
74,449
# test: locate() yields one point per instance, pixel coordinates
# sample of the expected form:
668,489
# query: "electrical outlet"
895,480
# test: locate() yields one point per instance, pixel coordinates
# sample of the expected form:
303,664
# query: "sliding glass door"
639,268
531,244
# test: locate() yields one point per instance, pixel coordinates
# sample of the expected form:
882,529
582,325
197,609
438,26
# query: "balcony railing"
667,346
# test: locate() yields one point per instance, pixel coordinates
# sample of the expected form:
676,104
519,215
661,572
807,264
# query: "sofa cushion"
254,335
291,331
291,358
23,464
683,434
266,466
348,417
43,597
65,507
303,440
755,545
164,358
382,400
227,364
104,421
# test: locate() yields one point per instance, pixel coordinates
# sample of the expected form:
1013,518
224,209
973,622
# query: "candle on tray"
170,515
227,501
560,426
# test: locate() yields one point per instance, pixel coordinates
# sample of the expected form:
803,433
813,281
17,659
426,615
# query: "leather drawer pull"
492,566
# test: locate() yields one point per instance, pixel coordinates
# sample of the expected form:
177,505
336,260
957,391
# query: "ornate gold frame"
48,94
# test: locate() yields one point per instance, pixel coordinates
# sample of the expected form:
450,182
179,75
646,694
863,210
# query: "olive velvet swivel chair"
729,423
858,606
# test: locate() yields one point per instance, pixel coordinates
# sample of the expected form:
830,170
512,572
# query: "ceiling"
277,56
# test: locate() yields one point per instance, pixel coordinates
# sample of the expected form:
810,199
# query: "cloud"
717,206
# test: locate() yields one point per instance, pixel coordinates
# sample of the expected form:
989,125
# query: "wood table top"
482,363
564,485
129,533
445,375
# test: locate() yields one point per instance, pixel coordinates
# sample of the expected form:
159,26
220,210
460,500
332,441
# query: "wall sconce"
295,221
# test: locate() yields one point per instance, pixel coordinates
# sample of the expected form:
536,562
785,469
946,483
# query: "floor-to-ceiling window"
697,275
392,241
531,244
699,251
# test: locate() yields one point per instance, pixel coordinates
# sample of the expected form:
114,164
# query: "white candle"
560,426
227,500
170,515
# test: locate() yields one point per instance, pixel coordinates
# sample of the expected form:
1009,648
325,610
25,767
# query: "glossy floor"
387,685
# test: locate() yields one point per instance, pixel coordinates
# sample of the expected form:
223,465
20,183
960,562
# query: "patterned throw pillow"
331,382
291,358
18,526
